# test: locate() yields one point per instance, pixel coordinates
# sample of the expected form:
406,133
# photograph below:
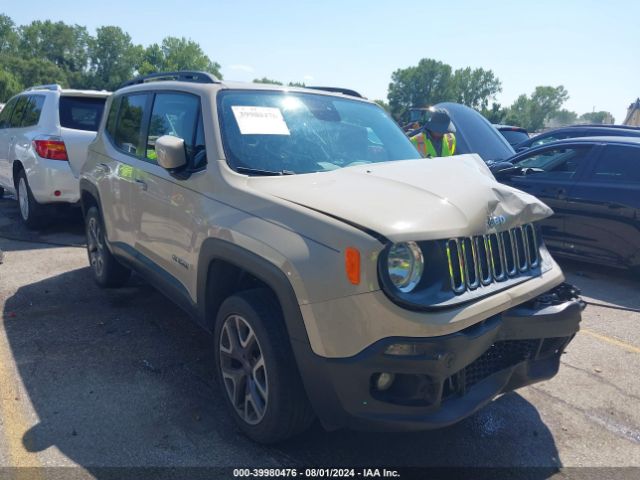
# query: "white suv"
44,134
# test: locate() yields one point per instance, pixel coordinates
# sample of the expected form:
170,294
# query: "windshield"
514,137
267,132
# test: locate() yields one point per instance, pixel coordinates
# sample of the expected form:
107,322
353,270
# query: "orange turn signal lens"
352,265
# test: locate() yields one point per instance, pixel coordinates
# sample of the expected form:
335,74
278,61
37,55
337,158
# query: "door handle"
559,192
103,167
142,185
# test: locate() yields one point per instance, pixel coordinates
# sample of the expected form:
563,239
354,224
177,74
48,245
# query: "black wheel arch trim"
214,249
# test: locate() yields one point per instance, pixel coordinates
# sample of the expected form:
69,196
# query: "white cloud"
307,77
241,68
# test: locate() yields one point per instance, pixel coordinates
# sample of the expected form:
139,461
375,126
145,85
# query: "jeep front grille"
486,259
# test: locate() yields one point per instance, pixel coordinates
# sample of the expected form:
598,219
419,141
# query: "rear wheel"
107,272
31,211
256,368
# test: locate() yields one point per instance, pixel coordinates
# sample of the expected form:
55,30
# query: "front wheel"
256,368
107,272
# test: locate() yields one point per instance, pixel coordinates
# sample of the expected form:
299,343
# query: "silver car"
44,134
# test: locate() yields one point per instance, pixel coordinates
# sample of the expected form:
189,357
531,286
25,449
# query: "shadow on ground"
64,226
123,378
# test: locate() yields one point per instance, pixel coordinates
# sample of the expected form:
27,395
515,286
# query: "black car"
576,131
514,135
593,185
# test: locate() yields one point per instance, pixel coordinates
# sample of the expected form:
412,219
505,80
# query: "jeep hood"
410,199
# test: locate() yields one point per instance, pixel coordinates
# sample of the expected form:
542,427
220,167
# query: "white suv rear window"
81,113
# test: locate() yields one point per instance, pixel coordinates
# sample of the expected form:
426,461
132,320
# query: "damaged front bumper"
438,381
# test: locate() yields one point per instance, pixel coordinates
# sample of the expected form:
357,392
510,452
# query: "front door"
160,197
549,173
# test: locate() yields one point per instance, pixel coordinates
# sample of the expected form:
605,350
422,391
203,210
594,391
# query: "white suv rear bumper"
50,176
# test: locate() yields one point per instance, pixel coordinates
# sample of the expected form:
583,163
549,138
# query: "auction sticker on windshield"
260,120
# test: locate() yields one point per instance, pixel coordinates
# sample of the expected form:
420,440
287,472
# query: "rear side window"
175,114
618,163
5,115
128,136
16,117
32,110
81,113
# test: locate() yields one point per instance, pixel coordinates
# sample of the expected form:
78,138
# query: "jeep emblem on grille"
496,220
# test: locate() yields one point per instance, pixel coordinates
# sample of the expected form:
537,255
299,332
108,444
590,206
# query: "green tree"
113,58
474,87
425,84
8,35
532,112
296,84
177,54
495,114
561,118
33,71
266,80
600,117
9,85
66,46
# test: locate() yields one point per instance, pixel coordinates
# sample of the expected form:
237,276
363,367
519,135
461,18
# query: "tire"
263,369
31,212
107,271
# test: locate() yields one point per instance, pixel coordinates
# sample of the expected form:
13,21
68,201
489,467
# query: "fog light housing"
384,381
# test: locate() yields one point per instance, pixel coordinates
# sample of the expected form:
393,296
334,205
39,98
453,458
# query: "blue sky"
591,47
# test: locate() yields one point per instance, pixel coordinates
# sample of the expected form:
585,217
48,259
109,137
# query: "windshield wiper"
257,171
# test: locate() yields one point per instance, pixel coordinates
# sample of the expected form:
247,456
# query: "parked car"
576,131
593,186
514,135
340,273
44,134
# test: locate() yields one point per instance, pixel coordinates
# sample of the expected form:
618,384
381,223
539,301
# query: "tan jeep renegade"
341,275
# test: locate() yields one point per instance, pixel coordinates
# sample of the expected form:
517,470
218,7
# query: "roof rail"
344,91
180,76
50,86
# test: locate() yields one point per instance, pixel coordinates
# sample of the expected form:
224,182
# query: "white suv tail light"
52,148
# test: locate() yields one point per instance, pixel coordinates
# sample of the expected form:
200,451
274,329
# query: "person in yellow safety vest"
436,138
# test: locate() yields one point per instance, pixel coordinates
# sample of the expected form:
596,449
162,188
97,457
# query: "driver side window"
176,114
555,162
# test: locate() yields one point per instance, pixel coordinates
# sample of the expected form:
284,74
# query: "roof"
594,139
499,126
55,88
202,81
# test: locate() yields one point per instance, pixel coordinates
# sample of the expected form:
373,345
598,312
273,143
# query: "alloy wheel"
243,369
23,198
95,245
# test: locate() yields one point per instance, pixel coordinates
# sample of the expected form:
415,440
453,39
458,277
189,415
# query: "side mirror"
171,152
502,170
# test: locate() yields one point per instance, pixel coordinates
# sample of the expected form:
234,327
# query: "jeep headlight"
405,265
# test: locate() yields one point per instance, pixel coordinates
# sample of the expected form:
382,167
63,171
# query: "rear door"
5,135
604,224
79,120
552,172
116,169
